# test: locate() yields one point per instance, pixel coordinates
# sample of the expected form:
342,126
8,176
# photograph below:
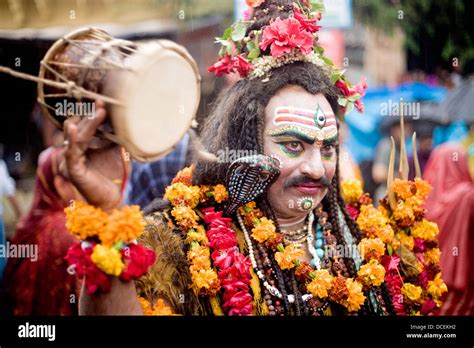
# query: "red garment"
451,206
43,287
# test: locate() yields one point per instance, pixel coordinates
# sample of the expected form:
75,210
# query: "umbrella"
459,104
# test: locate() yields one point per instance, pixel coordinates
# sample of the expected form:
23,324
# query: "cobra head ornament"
248,177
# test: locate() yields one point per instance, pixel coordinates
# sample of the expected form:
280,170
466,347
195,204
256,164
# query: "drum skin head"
159,94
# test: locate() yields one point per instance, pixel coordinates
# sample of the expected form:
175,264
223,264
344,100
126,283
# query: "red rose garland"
233,267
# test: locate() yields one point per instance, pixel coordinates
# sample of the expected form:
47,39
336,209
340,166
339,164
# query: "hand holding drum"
109,92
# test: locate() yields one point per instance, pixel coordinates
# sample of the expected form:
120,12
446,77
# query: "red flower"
228,64
361,87
137,261
239,304
284,35
221,238
95,279
307,24
242,66
344,88
419,245
353,212
224,65
428,306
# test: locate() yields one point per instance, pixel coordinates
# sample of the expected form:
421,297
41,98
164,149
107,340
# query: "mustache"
301,179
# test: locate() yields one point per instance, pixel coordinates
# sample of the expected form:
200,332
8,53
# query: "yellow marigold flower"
108,259
204,278
85,220
372,273
437,287
406,240
286,259
371,248
125,224
320,284
411,291
185,216
220,193
423,188
383,211
198,251
425,229
181,194
264,230
385,233
370,219
432,256
351,191
200,262
402,188
356,297
197,235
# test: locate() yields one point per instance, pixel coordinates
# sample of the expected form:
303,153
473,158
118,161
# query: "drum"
151,90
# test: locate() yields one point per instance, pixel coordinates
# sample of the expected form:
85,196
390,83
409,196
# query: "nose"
313,166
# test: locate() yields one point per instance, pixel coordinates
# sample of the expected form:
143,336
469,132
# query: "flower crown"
282,42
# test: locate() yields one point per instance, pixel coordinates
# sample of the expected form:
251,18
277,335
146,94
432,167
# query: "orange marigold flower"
371,248
351,191
370,219
254,3
425,229
85,220
204,278
185,216
180,194
338,291
437,287
372,273
356,297
197,251
247,208
197,235
404,214
411,291
220,193
184,176
321,283
286,259
264,230
432,256
160,307
125,224
423,188
402,188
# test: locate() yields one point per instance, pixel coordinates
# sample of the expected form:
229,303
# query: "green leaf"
223,42
254,50
389,249
227,33
342,101
238,31
349,107
317,5
354,97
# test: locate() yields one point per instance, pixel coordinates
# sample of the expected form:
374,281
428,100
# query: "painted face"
301,130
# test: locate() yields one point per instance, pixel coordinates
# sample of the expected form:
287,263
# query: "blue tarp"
364,128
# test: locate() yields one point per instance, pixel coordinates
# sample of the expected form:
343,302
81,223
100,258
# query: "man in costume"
265,234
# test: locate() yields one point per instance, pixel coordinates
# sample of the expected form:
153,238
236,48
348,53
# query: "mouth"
309,188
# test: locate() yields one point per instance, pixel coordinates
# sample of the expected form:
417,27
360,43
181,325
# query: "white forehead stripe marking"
288,115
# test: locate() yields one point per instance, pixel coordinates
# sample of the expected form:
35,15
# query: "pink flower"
359,105
419,245
361,87
284,35
221,238
240,303
223,259
307,24
390,262
247,14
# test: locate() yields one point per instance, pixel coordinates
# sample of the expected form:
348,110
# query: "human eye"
291,148
328,150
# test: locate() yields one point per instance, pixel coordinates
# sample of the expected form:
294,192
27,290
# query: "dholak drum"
151,90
